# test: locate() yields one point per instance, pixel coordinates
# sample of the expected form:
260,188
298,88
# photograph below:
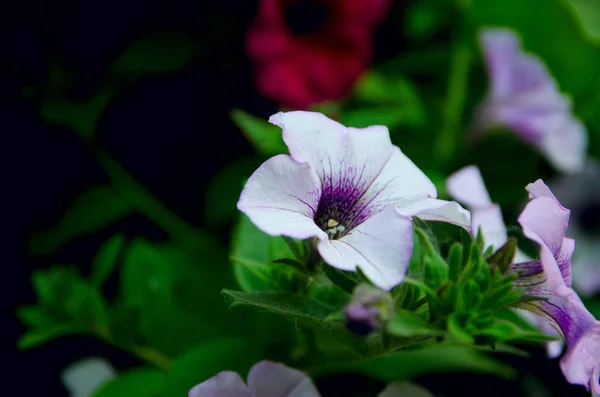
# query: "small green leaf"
93,210
455,261
138,382
33,316
82,117
156,54
264,136
106,259
405,323
38,336
345,280
588,13
294,264
503,257
208,359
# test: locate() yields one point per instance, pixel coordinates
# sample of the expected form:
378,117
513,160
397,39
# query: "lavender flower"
524,97
544,220
350,189
369,307
581,194
268,379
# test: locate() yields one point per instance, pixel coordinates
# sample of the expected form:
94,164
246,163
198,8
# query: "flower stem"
146,353
450,134
146,203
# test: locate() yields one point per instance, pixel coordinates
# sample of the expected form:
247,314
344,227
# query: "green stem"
451,132
146,203
146,353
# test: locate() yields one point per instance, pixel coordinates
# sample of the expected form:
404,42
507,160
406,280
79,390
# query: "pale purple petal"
333,150
281,198
565,144
581,363
381,246
224,384
524,97
83,377
404,389
268,379
430,209
500,47
539,189
586,265
545,221
466,185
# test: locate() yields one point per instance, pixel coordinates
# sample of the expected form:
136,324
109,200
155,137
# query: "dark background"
171,131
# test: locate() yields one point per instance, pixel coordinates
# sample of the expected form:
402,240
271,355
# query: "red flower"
310,51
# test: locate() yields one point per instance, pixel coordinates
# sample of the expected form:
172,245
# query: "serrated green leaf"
106,259
93,210
138,382
503,257
264,136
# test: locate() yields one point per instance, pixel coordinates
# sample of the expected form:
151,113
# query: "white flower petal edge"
85,376
269,379
404,389
224,384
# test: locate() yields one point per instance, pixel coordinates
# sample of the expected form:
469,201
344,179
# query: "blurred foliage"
172,307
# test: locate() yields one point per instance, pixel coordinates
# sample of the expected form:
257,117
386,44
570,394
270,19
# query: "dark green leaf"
106,259
34,316
156,54
138,382
588,14
264,136
93,210
503,257
38,336
405,323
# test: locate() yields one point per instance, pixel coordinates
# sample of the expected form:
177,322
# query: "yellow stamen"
332,223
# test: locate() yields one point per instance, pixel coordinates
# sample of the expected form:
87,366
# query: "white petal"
334,151
381,246
438,210
268,379
83,377
492,225
404,389
466,185
565,145
281,197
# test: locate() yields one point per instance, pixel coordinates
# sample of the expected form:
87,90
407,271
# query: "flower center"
589,217
304,17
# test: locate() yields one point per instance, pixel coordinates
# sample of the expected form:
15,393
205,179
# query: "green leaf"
33,316
156,54
405,323
106,259
224,190
93,210
293,307
264,136
588,14
208,359
431,359
38,336
138,382
177,295
503,257
253,253
82,117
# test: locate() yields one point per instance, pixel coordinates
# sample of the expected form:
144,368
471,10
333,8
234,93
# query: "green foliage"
138,382
93,210
253,254
67,304
264,136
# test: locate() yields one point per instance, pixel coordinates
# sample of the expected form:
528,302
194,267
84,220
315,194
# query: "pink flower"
310,51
